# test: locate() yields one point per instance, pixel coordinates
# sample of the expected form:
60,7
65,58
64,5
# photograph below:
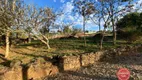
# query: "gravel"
104,70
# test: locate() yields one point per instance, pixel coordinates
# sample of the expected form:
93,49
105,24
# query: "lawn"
59,47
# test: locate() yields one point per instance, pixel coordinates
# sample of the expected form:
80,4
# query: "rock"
71,63
14,73
41,68
35,72
99,55
87,59
91,58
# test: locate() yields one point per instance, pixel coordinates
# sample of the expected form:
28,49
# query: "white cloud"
68,7
72,0
138,5
76,19
71,18
67,13
62,1
54,0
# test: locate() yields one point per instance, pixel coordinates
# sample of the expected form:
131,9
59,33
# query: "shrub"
130,36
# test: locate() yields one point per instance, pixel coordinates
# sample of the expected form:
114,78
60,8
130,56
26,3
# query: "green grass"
75,45
62,47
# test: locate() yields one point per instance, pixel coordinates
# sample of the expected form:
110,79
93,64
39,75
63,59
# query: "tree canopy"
131,21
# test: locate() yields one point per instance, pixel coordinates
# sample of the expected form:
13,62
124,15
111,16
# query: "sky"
67,7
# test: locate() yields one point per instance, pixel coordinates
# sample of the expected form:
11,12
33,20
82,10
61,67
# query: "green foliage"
130,27
130,36
67,30
44,30
84,7
75,31
28,29
131,21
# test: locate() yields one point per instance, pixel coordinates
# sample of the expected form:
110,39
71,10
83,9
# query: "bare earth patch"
104,70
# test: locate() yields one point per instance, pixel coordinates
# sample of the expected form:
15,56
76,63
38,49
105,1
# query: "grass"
59,47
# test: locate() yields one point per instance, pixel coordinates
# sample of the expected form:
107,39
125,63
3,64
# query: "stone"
71,63
14,73
41,69
98,55
87,59
35,72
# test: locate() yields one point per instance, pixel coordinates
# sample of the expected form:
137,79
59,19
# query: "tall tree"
113,10
108,12
130,27
7,12
84,8
38,18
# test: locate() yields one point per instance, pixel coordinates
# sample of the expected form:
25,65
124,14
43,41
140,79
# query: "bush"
97,37
130,36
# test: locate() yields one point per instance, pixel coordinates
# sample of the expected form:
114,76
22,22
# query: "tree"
84,8
76,30
29,31
130,27
114,12
7,20
132,21
108,12
19,16
67,29
38,18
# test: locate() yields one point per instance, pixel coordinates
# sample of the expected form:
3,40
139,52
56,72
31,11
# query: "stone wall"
75,62
90,58
71,62
41,68
14,73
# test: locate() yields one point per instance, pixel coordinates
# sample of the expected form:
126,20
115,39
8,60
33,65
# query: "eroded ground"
105,70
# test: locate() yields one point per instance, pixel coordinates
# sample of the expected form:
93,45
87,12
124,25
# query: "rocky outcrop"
90,58
13,73
71,62
87,59
41,68
75,62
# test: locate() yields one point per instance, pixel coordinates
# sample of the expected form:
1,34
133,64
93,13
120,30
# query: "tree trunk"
48,44
84,31
45,42
7,44
100,24
101,42
114,32
29,38
113,25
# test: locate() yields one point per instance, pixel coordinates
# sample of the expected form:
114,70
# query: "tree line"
16,17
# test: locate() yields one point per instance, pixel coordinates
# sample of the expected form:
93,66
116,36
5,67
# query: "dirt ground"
105,70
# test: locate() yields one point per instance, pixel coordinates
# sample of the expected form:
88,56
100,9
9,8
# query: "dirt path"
104,70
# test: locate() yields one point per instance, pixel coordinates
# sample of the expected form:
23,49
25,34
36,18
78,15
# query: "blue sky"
67,7
56,4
